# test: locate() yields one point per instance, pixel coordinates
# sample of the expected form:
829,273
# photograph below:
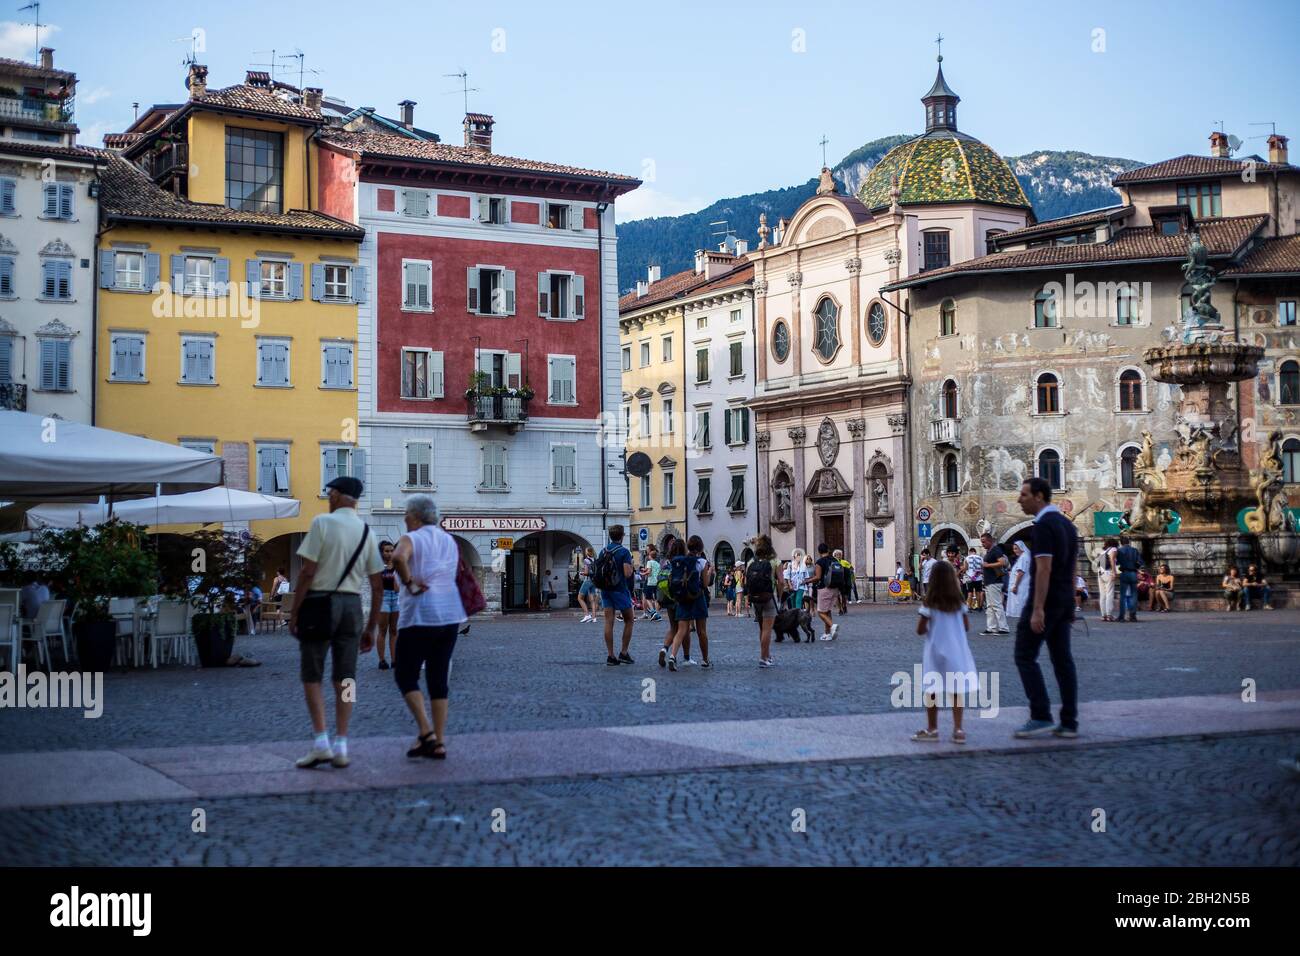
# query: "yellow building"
227,310
659,427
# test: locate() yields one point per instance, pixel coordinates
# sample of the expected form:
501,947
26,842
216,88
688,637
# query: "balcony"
13,398
945,432
35,109
162,164
486,409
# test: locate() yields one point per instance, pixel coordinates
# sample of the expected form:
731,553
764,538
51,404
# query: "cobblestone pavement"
537,674
1221,801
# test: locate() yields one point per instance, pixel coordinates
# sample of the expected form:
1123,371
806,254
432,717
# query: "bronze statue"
1200,277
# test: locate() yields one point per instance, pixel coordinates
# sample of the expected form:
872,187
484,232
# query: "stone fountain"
1190,510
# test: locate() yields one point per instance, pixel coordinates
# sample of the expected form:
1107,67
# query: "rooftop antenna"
136,108
35,6
1272,129
301,57
822,143
192,57
270,66
465,89
726,232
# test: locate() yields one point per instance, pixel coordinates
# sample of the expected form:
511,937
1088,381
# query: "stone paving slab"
75,777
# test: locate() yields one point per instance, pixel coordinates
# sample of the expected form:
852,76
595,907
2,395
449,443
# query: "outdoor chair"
125,615
171,634
48,623
9,635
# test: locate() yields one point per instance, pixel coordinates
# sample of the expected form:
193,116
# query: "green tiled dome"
943,165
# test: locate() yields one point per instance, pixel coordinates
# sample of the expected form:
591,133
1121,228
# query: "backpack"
605,571
665,597
758,582
684,579
834,575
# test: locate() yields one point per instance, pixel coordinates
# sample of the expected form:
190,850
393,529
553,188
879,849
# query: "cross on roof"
939,43
822,143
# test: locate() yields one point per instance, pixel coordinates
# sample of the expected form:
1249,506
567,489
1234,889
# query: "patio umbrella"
49,459
195,507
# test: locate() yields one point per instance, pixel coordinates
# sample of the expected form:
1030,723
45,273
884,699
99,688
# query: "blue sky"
706,100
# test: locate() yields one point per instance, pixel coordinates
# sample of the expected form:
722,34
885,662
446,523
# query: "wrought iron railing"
487,408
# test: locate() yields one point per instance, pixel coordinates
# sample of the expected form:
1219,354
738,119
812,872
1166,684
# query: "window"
56,279
273,279
645,420
56,365
703,502
627,422
668,416
736,426
627,358
645,354
1130,390
415,203
735,315
556,295
702,436
1045,310
6,277
338,461
58,200
989,236
936,249
1048,390
416,286
273,469
198,275
128,270
336,365
948,317
780,341
951,482
1169,225
557,215
1288,383
670,489
1127,467
1128,306
1291,461
198,361
1286,312
564,467
494,468
419,464
8,191
950,399
1203,198
827,340
254,170
421,373
701,365
668,348
702,322
645,491
876,326
491,290
563,388
1049,467
736,500
737,355
338,283
493,210
273,362
1184,299
128,358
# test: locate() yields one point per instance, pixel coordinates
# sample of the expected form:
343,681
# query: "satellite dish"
1234,143
638,464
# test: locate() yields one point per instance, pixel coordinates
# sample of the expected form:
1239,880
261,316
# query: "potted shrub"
214,570
89,566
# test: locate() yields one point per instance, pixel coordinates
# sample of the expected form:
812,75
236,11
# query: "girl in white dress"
1018,585
947,667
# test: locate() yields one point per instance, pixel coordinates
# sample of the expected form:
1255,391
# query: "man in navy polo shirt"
618,601
1055,547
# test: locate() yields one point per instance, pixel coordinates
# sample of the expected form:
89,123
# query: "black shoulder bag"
315,613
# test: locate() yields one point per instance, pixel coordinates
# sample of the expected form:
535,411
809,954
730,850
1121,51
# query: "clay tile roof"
479,117
1181,167
15,147
740,275
120,140
1222,237
1276,256
25,68
1091,217
127,194
671,287
403,147
255,99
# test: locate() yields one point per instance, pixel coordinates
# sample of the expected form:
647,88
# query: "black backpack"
684,579
834,575
606,573
758,582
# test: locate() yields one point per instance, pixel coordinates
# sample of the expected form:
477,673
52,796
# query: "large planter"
214,635
96,642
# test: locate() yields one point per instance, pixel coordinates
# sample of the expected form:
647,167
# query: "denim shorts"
389,606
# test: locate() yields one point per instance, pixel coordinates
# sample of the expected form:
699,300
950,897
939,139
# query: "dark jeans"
430,646
1255,596
1028,644
1128,594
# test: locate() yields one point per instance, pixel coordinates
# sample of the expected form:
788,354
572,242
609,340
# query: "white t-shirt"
330,543
927,566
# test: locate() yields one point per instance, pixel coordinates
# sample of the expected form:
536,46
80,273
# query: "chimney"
478,131
312,96
1219,145
641,289
1277,149
258,78
742,247
408,113
653,275
47,58
197,81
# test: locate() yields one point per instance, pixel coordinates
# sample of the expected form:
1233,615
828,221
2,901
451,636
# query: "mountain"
1058,183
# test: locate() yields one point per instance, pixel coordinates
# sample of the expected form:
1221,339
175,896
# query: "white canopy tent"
49,459
195,507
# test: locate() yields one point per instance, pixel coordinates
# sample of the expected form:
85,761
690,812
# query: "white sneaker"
835,630
766,662
317,757
825,637
688,663
585,619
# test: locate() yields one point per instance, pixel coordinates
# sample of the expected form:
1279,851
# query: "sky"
716,98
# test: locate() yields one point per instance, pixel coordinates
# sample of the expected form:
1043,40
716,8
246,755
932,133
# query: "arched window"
876,325
827,339
1048,390
1127,462
1049,467
1128,306
950,399
951,482
1130,390
1288,384
724,558
1291,461
781,341
948,317
1045,310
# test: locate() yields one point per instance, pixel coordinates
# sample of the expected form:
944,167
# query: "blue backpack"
684,579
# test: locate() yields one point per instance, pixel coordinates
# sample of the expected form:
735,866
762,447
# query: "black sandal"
424,748
439,751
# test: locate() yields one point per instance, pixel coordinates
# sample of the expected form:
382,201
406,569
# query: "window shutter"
51,194
514,365
65,201
726,426
509,276
359,464
329,375
487,465
575,218
62,364
152,269
295,281
570,380
484,209
6,276
107,268
178,274
265,473
329,469
137,359
317,282
7,196
188,362
435,375
579,297
359,285
253,277
471,283
6,359
205,362
263,362
47,364
220,275
281,470
64,271
119,367
544,294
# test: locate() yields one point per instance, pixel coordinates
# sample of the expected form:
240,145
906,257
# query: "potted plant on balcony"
89,566
478,384
215,570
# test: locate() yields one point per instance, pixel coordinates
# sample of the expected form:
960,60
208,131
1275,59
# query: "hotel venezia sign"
493,523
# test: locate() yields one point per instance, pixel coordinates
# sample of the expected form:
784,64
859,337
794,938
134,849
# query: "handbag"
315,612
471,596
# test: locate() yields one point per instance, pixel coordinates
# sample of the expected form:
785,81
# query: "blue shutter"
6,359
206,371
295,281
7,197
359,284
253,276
47,363
50,192
63,269
49,279
329,466
189,362
107,266
65,201
359,464
152,268
220,275
317,282
178,274
6,276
